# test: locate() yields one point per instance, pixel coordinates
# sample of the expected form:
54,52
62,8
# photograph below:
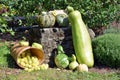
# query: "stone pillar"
49,38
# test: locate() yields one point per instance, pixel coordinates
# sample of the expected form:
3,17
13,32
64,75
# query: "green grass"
6,59
4,51
10,71
53,74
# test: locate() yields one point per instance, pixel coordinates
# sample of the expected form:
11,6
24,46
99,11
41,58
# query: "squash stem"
69,9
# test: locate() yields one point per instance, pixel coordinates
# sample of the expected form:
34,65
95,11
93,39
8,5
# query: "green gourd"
61,59
73,64
62,19
81,38
46,20
36,45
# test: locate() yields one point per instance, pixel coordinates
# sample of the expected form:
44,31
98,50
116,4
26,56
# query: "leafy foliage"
106,49
4,18
96,13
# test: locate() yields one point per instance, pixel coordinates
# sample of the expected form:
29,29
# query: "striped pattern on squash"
46,20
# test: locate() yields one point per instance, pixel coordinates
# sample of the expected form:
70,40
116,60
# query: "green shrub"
106,49
4,27
95,13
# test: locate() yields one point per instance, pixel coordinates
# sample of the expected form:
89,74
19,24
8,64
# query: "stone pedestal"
50,38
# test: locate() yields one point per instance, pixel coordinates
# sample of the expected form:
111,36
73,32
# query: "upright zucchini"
81,38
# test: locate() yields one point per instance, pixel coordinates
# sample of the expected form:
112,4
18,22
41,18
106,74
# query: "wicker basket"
16,50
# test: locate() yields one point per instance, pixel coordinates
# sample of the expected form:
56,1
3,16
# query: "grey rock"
92,34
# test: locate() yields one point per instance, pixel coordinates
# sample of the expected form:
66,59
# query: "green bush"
95,13
106,49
